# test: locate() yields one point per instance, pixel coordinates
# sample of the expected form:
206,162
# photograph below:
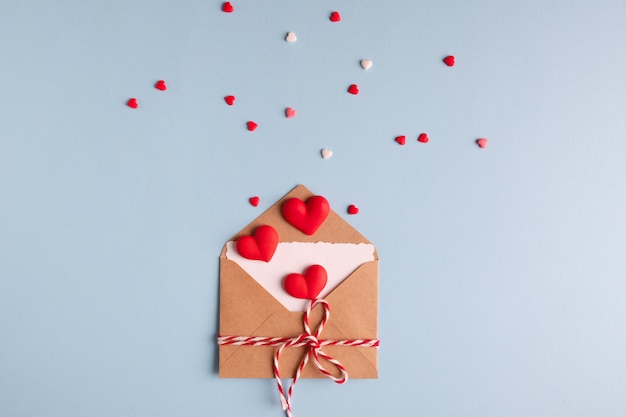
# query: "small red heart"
132,103
401,139
227,7
352,209
260,246
251,126
423,138
230,100
254,201
160,85
449,60
353,89
289,112
306,217
307,286
334,17
482,142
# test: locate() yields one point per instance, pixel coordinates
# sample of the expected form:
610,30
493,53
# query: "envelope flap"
239,316
334,229
353,315
354,303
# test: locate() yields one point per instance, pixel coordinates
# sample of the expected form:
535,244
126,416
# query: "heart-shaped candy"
326,153
366,64
132,103
449,60
353,89
289,112
251,126
254,201
482,142
306,217
227,7
401,139
423,137
160,85
307,286
291,37
260,246
230,100
335,17
352,209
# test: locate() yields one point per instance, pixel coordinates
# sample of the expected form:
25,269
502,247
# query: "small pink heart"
227,7
289,112
335,17
251,126
423,138
352,209
254,201
160,85
132,103
230,100
449,60
353,89
482,142
401,139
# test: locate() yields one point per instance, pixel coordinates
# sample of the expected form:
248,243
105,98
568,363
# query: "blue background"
502,274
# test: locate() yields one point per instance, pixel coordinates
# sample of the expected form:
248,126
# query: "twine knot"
314,351
313,345
309,340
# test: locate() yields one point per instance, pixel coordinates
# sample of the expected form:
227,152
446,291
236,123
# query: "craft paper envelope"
247,309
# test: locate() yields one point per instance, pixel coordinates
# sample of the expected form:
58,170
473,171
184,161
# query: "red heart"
251,126
160,85
352,209
449,60
353,89
482,142
423,138
230,100
260,246
306,286
306,217
334,17
254,201
227,7
401,139
289,112
132,103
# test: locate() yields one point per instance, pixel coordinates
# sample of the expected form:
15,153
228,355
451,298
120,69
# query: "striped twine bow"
308,339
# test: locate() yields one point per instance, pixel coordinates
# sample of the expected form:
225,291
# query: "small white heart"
326,153
366,64
291,37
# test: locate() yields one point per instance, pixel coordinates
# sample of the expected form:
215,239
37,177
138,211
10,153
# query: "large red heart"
306,217
260,246
306,286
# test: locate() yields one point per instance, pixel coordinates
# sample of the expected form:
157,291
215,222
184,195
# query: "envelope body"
247,309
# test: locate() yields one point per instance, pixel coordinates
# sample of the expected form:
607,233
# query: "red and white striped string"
311,341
